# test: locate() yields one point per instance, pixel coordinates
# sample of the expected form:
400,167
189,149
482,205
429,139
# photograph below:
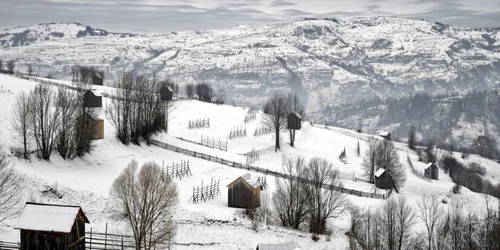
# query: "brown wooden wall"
53,240
242,195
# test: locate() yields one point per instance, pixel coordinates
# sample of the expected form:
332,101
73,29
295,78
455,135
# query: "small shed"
383,180
92,99
386,135
287,246
166,93
48,226
96,123
294,121
431,171
244,193
97,80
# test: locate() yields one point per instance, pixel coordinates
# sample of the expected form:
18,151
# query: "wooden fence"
205,193
257,169
178,170
199,123
9,245
214,143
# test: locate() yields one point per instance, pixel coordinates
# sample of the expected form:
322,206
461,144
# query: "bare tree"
11,66
21,119
1,64
30,69
412,137
484,146
148,199
398,220
67,102
10,186
370,158
358,149
430,213
294,105
275,115
324,200
45,119
220,95
289,198
189,89
120,108
387,158
86,129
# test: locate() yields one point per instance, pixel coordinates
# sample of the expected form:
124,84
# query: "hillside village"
225,170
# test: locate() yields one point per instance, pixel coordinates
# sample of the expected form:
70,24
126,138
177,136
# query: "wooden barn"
431,171
166,93
285,246
386,135
97,80
47,226
92,99
96,122
244,193
383,180
294,121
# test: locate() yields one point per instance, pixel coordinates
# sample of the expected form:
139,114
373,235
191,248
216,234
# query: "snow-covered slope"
211,225
327,61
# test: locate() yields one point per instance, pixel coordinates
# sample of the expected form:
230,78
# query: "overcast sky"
157,16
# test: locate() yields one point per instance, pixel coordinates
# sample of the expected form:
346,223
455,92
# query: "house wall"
99,130
293,122
242,195
92,101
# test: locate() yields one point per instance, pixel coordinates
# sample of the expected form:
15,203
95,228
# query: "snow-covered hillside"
327,61
211,225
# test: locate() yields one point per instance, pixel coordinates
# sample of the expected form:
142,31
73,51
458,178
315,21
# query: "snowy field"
211,225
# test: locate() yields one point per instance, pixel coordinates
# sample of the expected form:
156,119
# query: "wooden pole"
106,236
91,238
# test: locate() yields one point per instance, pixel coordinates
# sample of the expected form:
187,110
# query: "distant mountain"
328,62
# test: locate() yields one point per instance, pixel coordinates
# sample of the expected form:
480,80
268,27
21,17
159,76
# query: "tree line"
445,226
52,119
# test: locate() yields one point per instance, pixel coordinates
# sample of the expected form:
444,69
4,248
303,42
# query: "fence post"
91,238
122,242
106,237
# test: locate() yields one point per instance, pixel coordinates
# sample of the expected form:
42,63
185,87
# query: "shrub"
475,167
456,189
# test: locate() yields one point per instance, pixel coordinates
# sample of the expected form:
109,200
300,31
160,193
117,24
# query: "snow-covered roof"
429,165
48,217
169,89
277,247
95,92
297,114
379,172
248,178
383,133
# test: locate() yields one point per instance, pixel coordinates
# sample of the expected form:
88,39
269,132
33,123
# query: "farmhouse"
386,135
47,226
294,121
383,180
97,80
431,171
96,124
92,99
288,246
244,193
166,93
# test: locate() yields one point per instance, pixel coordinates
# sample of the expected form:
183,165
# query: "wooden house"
166,93
96,123
294,121
97,80
92,99
47,226
244,193
286,246
383,180
431,171
386,135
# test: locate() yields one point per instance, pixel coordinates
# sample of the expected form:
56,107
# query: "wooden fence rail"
258,169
